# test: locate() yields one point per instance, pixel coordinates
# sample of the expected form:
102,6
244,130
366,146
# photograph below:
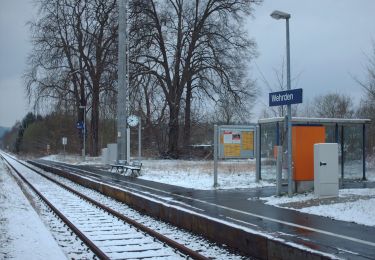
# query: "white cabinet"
326,169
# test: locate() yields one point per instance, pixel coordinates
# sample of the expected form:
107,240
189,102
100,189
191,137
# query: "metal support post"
258,153
123,82
277,133
279,169
139,139
84,134
281,15
128,145
289,112
337,141
364,152
215,154
342,153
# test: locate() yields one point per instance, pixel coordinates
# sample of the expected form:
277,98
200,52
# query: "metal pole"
258,153
123,92
139,138
279,160
342,153
128,145
277,134
84,133
215,154
364,152
289,112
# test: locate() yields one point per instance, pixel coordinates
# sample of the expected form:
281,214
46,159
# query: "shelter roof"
314,120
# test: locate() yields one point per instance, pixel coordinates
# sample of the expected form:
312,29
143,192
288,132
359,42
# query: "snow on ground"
354,205
72,159
196,174
22,233
199,174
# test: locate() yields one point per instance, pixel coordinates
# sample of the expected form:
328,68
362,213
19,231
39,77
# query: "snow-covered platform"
238,217
22,233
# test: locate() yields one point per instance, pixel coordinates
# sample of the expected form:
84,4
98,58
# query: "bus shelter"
350,134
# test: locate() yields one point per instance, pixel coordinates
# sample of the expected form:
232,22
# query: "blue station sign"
79,125
293,96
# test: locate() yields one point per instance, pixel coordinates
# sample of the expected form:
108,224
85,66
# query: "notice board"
236,141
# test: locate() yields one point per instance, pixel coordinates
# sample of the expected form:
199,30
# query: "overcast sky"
14,47
329,42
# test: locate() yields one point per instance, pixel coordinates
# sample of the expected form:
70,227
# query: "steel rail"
99,253
183,249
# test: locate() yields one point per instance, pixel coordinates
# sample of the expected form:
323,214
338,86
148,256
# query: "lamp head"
280,15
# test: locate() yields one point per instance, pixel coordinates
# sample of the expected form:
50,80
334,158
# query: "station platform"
242,209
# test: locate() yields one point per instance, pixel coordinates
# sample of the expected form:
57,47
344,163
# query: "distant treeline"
34,133
42,135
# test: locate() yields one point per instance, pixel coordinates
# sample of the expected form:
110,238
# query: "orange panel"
303,140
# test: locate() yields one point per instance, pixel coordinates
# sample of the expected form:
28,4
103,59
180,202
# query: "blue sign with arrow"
293,96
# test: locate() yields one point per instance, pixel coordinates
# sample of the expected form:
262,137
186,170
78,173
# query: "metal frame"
234,127
217,129
337,122
315,120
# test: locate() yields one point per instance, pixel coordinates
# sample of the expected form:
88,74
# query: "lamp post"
281,15
84,132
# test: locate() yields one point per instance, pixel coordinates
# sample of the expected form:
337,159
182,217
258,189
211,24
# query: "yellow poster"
248,140
232,150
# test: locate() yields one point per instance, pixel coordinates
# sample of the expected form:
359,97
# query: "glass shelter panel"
268,135
348,133
353,155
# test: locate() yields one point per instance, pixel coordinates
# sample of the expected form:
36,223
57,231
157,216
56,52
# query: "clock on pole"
133,120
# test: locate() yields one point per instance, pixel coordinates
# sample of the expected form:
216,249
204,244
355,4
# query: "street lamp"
281,15
84,132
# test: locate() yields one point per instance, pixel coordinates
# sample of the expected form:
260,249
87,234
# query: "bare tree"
334,105
181,52
369,84
278,84
191,41
367,104
73,57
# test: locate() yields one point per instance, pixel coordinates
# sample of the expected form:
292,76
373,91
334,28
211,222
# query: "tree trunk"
187,127
95,121
81,114
173,151
148,127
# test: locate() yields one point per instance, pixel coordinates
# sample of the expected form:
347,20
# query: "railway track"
108,233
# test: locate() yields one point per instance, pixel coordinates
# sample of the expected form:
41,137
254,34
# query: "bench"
119,166
135,168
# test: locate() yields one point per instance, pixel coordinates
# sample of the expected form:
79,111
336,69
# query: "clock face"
133,120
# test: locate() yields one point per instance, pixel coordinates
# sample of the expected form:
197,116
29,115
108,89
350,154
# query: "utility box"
326,169
105,156
112,152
